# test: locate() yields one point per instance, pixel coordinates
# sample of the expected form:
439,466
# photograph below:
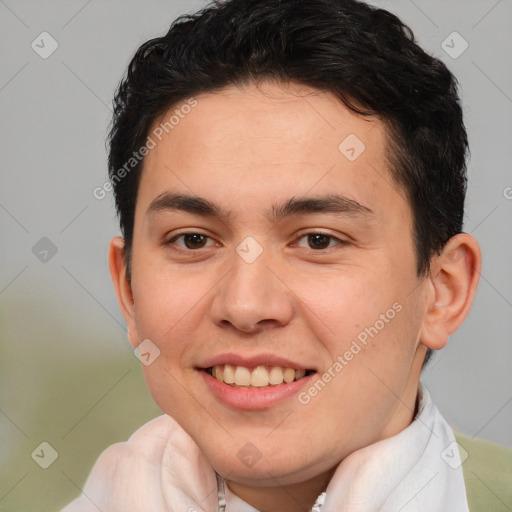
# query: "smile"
254,381
258,377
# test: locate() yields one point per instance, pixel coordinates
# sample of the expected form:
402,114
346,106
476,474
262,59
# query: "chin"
248,467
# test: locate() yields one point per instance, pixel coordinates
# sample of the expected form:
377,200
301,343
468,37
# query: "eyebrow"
332,203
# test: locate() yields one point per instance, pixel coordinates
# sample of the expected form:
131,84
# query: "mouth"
254,382
257,377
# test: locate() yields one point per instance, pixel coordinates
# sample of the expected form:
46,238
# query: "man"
290,181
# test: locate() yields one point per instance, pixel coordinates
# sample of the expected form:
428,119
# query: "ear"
122,287
453,280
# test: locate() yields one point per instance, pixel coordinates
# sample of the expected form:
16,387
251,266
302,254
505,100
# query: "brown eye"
190,241
319,241
194,240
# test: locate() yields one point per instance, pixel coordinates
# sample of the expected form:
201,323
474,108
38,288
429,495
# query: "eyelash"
339,242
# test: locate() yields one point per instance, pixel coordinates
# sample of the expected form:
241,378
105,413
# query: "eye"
319,241
191,241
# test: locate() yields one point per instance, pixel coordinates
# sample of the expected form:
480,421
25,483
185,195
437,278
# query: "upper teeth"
259,377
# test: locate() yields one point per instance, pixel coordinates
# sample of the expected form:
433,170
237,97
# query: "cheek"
369,325
343,303
167,304
374,344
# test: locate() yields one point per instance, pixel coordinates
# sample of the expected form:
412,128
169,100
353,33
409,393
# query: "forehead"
265,142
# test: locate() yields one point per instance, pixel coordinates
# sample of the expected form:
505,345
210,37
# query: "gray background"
67,373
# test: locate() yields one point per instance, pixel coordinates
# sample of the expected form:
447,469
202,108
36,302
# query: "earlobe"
454,279
122,287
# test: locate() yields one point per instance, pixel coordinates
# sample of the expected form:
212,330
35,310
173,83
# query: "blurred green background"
79,405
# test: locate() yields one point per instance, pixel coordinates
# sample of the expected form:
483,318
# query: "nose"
252,297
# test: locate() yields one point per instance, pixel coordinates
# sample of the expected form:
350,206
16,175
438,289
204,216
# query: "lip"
252,361
250,399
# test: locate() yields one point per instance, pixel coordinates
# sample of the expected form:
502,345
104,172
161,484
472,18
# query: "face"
273,250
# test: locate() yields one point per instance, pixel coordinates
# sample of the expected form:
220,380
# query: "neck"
298,497
301,497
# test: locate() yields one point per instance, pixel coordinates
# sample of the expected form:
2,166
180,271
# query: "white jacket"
161,469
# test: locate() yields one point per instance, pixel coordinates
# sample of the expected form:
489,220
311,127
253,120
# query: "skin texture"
247,148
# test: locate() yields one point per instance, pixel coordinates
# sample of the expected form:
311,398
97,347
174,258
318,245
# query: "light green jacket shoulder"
487,471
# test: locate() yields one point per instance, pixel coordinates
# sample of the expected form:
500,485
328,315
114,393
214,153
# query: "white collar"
162,469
